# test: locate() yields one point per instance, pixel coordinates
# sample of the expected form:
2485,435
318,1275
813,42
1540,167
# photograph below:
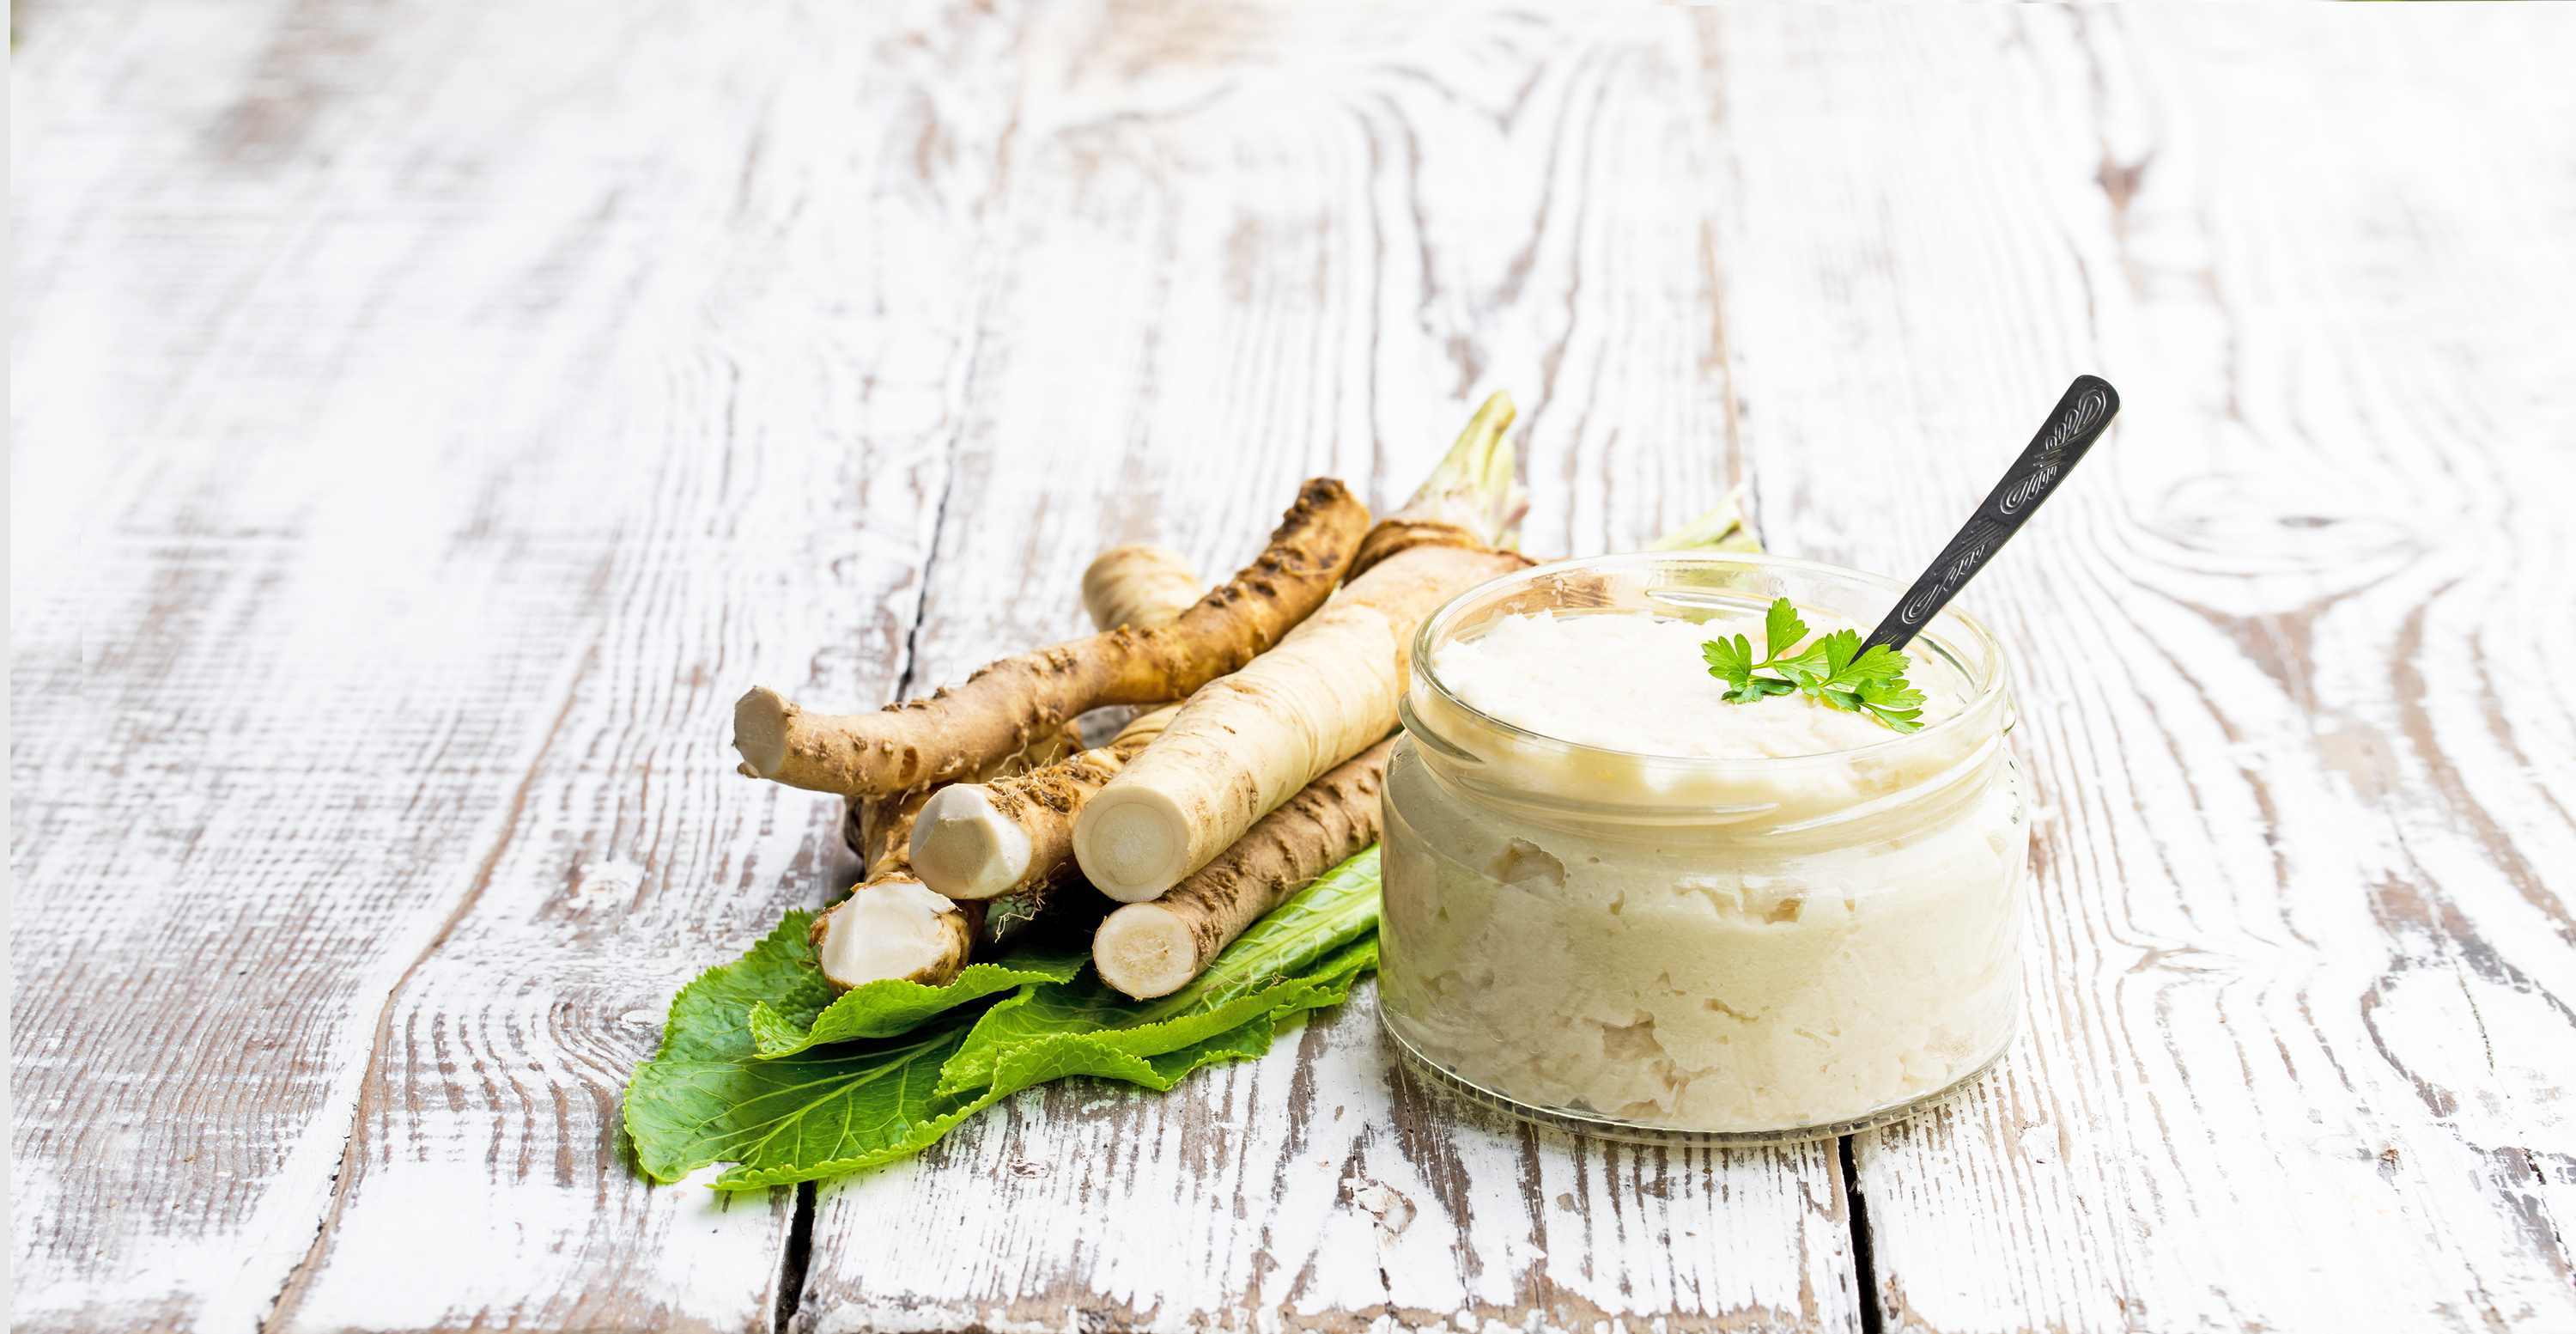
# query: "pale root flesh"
1247,742
886,928
985,840
1140,584
972,848
895,928
1007,705
878,830
1154,949
892,925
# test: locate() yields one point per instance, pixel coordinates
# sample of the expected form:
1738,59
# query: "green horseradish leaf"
746,1076
1087,1028
711,1016
711,1094
1285,963
884,1008
800,1117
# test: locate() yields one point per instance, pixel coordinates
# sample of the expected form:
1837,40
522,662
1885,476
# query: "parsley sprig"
1833,669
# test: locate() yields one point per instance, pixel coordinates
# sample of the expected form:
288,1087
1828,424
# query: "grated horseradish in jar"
1614,896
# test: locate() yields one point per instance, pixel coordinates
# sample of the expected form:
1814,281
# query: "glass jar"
1708,950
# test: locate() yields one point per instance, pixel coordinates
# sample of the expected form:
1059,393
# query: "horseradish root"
1010,833
1154,949
870,824
895,928
1473,499
1250,741
1140,585
1247,742
886,928
1001,708
984,840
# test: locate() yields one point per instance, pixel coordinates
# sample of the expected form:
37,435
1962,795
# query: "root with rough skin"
1139,584
985,840
878,830
1247,742
886,927
896,927
891,925
1154,949
999,709
1252,740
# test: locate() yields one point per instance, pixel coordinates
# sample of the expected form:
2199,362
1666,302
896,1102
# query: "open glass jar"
1711,950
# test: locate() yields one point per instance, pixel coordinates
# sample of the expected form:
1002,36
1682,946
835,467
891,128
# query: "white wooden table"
428,415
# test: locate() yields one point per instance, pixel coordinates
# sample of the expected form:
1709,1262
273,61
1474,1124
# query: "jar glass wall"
1723,949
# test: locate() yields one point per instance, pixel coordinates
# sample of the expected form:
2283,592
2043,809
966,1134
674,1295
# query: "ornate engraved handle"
2077,422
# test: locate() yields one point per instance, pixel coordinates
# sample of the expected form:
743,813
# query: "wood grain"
560,374
1229,260
790,430
283,648
1319,1189
427,417
2299,1040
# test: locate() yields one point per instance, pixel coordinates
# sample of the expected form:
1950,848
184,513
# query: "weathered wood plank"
784,415
273,687
426,413
1244,245
1316,1189
2299,1033
428,416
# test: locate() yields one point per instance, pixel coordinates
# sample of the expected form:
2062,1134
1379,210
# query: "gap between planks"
301,1275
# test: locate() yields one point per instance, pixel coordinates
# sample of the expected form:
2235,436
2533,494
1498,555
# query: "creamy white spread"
1633,682
1840,940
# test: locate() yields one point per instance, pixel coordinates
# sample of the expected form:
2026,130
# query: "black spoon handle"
2077,422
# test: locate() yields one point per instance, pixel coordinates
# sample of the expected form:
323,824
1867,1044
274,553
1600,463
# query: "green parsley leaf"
1840,648
1807,667
1781,629
1729,660
1892,702
1881,663
1833,670
1759,688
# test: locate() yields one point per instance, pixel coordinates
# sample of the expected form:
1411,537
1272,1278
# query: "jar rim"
1990,673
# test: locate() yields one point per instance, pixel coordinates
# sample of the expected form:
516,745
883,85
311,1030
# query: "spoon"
2072,427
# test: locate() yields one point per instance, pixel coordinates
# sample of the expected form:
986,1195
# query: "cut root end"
760,730
1133,843
894,929
966,849
1145,950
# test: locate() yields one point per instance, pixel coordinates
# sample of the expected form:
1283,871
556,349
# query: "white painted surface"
427,417
2298,1044
1317,1188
